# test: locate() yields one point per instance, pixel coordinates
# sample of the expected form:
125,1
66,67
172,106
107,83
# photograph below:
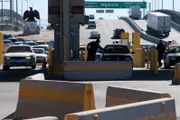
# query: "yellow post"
151,58
139,60
86,53
50,57
65,48
176,79
155,63
125,38
1,48
136,40
96,117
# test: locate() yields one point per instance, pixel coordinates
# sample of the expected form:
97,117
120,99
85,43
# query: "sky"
42,5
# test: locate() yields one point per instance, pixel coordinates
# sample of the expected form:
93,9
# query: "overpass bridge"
10,19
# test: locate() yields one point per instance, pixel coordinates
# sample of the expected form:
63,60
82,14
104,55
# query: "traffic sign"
94,4
99,11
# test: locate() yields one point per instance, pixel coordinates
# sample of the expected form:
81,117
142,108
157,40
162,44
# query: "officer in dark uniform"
161,49
92,48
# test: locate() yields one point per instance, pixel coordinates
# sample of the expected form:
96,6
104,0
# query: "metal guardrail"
136,28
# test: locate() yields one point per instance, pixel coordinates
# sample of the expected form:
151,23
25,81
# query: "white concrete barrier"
44,118
39,76
159,109
98,70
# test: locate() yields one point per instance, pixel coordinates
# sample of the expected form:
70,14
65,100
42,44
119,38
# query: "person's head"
98,40
160,41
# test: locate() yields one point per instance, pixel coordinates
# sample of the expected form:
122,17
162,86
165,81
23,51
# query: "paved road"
9,93
174,35
105,28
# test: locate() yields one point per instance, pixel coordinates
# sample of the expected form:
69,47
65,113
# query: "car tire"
166,66
6,67
33,67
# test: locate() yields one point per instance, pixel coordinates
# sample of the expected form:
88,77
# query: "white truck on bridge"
158,23
135,12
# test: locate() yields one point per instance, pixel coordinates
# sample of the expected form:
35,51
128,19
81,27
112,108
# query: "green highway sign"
94,4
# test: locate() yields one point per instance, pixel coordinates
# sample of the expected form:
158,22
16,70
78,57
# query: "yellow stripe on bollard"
1,48
86,53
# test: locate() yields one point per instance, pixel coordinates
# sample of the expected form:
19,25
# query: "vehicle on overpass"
92,24
158,24
101,18
95,35
116,52
172,56
21,55
40,55
91,16
117,33
135,12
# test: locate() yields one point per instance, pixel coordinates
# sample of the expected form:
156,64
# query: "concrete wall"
159,109
94,70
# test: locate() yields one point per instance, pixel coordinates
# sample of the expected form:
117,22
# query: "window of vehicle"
174,49
39,51
116,49
41,43
7,42
44,47
31,43
147,47
13,40
19,49
91,22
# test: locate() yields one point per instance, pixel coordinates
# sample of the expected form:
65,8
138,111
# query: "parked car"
116,52
95,34
13,39
92,24
40,55
41,43
22,55
117,33
172,56
19,43
30,43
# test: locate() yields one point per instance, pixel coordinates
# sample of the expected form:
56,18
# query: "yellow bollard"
96,117
139,57
65,48
155,63
136,40
151,59
86,53
125,38
1,49
50,57
176,79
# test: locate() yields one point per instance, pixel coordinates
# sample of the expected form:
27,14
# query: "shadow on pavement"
9,117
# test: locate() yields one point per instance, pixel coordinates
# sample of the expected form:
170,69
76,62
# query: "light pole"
162,4
173,4
152,4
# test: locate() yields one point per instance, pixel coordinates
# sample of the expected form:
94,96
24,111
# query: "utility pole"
162,4
152,3
17,14
22,8
2,10
158,4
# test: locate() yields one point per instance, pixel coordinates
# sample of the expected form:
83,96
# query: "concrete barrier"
122,95
44,118
95,70
159,109
39,98
39,76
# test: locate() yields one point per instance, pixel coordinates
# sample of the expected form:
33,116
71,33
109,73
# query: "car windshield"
92,22
31,43
41,43
39,51
45,48
19,49
146,47
116,49
174,49
7,42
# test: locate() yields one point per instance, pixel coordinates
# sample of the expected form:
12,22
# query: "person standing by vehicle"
92,48
161,49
